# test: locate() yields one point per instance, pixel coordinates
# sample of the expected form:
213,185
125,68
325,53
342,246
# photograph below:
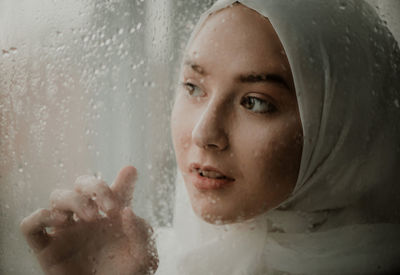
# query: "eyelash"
270,108
190,88
252,100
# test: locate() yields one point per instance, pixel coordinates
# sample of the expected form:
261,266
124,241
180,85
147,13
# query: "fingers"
128,219
89,196
124,184
34,227
134,226
98,191
70,201
108,198
140,235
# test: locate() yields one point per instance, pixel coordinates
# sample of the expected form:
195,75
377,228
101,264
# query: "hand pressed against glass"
235,124
81,240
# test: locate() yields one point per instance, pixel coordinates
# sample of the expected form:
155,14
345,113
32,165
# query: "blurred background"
86,87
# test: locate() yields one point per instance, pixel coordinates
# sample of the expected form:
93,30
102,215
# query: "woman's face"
236,127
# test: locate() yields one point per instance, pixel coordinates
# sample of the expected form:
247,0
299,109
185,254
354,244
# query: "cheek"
281,154
270,160
181,128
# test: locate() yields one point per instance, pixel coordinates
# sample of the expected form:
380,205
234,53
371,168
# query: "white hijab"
344,214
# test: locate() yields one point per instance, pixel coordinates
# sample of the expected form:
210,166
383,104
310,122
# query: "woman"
286,138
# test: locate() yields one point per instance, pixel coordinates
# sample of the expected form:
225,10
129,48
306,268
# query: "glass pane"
86,88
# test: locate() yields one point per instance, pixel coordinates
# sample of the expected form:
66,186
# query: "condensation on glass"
86,87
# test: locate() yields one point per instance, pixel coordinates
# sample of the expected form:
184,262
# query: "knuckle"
102,188
33,220
82,201
79,199
83,181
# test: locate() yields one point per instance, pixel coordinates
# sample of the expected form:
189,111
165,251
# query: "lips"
210,174
209,177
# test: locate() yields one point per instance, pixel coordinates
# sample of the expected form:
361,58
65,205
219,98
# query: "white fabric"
344,214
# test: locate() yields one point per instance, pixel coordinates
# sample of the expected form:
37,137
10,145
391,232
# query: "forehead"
238,37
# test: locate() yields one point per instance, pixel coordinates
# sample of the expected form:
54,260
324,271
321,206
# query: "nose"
209,132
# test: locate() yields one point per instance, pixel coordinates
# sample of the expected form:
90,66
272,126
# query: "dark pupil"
249,102
191,88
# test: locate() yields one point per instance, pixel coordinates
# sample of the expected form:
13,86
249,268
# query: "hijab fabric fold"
343,216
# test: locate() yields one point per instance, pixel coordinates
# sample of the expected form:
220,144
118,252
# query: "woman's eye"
192,89
257,105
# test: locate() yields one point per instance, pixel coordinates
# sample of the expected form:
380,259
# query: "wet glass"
87,87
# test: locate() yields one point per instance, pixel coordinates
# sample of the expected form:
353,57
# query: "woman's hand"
91,230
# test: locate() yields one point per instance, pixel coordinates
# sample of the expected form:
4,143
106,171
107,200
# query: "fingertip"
124,184
129,172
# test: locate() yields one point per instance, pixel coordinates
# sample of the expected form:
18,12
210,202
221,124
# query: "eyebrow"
195,67
263,77
244,78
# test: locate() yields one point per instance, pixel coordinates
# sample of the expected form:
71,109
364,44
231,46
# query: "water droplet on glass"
75,217
5,53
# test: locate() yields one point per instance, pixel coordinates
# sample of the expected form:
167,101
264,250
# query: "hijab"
343,215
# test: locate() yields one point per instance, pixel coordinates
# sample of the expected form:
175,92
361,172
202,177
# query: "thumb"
124,184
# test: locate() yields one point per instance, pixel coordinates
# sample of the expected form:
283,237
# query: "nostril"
211,146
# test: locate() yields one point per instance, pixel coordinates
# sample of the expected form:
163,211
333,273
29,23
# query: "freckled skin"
261,151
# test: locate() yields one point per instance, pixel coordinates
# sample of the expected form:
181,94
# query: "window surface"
87,87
